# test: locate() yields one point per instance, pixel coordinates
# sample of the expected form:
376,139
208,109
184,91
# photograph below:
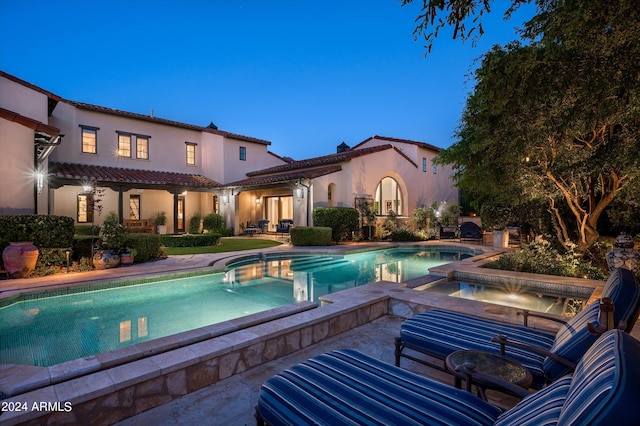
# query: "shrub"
146,246
310,236
212,222
44,231
194,223
539,257
86,230
404,233
190,240
341,220
113,234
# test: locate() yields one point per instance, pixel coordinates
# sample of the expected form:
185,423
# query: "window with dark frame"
435,169
142,147
243,153
124,145
424,164
84,210
134,207
89,139
191,153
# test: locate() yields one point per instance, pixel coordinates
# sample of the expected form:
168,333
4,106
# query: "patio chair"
548,356
350,388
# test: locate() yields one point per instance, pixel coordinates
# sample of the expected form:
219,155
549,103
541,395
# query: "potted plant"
113,238
161,222
127,257
495,218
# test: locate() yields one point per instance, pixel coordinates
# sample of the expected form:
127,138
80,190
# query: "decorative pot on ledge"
105,259
20,259
623,255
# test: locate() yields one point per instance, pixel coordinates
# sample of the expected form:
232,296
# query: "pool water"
47,330
517,296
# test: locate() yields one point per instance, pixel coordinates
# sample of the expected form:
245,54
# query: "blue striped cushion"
540,408
572,341
440,333
623,288
349,388
606,384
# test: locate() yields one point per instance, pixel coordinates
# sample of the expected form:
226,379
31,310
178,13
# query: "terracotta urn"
20,259
105,259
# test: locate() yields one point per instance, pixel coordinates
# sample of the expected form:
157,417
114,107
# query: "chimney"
342,147
151,113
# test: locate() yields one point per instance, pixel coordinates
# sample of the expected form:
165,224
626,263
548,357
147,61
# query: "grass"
226,244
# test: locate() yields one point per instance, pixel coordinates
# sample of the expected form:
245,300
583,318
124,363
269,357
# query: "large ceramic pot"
20,259
623,255
126,259
105,259
501,239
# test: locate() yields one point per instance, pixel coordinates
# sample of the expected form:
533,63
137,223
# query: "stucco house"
54,148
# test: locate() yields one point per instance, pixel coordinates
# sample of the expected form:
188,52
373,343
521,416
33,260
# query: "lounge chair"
548,356
350,388
470,231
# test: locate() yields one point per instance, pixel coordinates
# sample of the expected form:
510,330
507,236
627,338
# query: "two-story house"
54,149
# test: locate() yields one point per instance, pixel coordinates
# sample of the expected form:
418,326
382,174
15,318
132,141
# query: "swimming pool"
44,329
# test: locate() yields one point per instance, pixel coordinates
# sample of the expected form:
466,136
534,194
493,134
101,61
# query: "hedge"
310,236
53,235
147,246
189,240
341,220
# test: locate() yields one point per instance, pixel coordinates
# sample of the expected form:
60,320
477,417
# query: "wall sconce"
184,194
40,181
225,199
299,193
257,200
86,188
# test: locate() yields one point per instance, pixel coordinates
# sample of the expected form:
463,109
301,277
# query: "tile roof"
320,161
110,175
35,125
152,119
286,176
407,141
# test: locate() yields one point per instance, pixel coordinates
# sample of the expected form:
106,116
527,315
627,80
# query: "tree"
556,117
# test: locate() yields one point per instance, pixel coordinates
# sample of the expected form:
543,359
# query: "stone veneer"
113,394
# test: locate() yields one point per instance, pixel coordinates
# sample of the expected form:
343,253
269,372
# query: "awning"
118,178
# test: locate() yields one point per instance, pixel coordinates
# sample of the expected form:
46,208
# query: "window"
191,153
435,169
388,197
89,139
134,207
243,153
142,147
124,145
424,164
85,212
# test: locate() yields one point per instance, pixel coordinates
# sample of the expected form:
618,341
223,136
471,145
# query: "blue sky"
305,75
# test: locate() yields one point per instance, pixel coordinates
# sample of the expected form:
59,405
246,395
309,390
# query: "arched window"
331,194
388,197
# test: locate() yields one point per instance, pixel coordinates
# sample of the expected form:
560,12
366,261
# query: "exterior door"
181,214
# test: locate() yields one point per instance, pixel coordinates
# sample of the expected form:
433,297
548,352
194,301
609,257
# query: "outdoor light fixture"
184,194
225,199
299,193
86,188
257,200
40,181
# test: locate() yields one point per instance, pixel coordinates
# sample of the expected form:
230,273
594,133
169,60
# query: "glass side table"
487,363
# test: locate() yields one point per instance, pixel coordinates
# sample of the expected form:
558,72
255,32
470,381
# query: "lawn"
226,244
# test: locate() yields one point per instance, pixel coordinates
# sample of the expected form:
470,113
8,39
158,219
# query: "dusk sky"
305,75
